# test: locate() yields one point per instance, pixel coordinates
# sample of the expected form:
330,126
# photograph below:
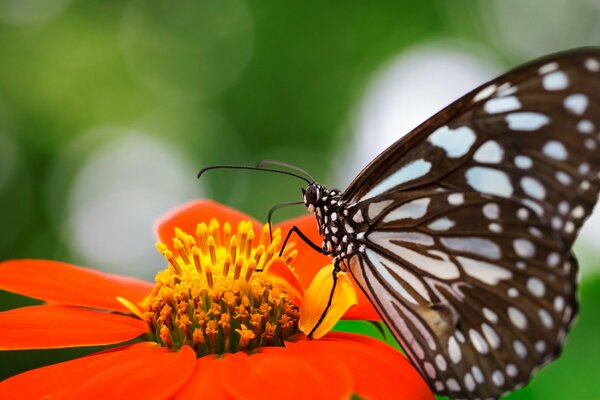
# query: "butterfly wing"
476,290
466,225
530,135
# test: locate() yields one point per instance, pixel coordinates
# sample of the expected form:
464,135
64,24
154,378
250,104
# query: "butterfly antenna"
277,207
285,165
243,167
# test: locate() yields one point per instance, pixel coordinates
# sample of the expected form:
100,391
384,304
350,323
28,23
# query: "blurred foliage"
222,81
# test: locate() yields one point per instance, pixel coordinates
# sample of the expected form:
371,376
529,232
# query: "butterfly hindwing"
477,310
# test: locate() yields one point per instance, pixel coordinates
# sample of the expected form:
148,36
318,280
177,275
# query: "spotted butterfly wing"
460,233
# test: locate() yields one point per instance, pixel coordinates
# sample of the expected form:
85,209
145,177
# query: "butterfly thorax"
339,239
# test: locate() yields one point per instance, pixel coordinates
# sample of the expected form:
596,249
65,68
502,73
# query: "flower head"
222,320
217,295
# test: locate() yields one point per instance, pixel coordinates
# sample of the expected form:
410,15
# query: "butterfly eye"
312,194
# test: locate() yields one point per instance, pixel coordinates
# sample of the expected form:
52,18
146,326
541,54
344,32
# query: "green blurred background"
108,108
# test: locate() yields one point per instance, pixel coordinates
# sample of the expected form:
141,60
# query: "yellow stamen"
209,275
250,239
238,268
197,262
250,270
216,296
135,310
226,265
246,335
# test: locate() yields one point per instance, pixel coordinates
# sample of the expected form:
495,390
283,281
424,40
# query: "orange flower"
222,321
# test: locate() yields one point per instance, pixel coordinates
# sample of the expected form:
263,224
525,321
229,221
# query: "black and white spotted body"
460,233
339,237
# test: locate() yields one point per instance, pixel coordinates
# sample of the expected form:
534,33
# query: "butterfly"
460,233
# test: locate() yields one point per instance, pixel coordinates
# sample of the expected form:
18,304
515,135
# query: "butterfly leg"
336,269
294,229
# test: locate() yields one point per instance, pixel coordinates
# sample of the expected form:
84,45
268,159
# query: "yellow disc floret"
216,295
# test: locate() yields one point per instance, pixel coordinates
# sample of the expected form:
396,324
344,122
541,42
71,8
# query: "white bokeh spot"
408,91
118,195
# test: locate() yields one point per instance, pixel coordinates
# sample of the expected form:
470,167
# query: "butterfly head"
312,196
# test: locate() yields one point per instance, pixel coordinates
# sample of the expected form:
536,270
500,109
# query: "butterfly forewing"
530,135
464,227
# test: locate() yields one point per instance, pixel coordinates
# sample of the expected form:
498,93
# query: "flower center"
217,295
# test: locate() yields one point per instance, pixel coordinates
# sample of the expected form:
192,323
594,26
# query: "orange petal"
67,284
139,372
317,296
55,326
187,216
366,358
309,262
277,373
281,274
204,383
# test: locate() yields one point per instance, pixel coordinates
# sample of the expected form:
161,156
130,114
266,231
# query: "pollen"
216,294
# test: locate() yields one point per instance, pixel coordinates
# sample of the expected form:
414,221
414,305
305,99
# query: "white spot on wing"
411,171
524,248
523,162
454,350
477,374
441,224
490,315
546,318
489,153
536,287
491,335
452,384
532,187
544,69
555,149
440,361
358,217
557,80
502,104
559,303
469,382
517,318
498,377
576,103
526,121
563,178
413,209
478,341
384,239
377,207
506,90
491,211
592,64
489,180
485,93
455,142
585,126
474,245
456,199
520,348
511,370
442,268
485,272
553,259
